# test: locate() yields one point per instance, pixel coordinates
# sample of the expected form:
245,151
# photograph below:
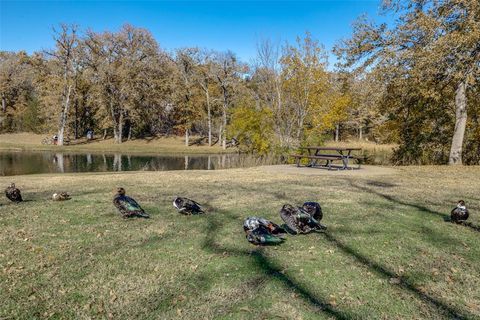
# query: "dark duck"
127,206
315,212
302,219
186,206
459,214
13,193
260,231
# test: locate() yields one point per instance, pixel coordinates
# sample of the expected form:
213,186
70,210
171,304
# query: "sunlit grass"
387,254
155,145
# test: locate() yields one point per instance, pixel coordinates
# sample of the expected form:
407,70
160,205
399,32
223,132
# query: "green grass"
153,145
387,253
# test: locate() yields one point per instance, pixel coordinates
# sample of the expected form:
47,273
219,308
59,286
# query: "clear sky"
219,25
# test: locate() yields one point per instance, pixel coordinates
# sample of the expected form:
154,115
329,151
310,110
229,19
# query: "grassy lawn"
33,142
387,253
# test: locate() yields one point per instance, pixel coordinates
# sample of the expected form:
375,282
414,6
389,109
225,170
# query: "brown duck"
61,196
13,193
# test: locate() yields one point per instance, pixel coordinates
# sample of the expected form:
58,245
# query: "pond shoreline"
14,163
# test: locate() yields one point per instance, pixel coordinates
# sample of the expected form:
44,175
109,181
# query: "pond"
31,162
17,163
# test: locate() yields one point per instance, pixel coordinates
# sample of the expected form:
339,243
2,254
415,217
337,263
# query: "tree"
304,80
204,78
123,69
67,64
17,89
185,89
226,70
433,52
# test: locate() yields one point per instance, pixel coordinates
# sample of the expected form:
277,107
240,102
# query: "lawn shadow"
397,201
450,311
445,217
466,224
269,268
381,184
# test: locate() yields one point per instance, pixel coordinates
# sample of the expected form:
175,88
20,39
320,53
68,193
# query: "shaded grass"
387,253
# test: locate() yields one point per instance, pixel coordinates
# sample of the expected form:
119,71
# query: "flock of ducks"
258,231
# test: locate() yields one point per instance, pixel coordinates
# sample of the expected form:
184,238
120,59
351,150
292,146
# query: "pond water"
16,163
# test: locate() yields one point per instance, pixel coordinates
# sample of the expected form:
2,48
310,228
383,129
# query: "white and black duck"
61,196
13,193
260,231
299,220
459,214
127,206
187,206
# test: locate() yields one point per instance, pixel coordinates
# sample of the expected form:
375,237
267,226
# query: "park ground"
153,145
387,253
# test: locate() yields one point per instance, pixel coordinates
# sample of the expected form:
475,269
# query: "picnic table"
314,154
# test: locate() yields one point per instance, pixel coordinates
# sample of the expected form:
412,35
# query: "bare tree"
66,53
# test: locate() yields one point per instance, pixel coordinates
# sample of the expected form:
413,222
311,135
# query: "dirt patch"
364,171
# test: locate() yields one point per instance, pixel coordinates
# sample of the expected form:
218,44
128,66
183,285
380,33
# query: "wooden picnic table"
314,154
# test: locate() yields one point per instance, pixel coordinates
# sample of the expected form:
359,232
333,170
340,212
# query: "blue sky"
219,25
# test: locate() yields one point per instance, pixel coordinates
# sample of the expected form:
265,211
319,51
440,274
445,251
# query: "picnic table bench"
314,155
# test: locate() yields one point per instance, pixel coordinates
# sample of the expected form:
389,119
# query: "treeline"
124,85
413,85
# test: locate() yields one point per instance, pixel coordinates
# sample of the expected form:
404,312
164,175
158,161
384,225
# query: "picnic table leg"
344,160
313,162
348,157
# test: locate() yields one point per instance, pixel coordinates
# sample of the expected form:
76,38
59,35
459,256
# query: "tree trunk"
4,105
118,129
337,132
223,131
360,133
209,112
129,132
220,141
104,134
187,142
76,120
63,117
460,124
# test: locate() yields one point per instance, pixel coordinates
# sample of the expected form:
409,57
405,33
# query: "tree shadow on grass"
269,268
449,311
395,200
422,208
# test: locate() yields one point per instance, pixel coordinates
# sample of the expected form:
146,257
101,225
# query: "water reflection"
15,163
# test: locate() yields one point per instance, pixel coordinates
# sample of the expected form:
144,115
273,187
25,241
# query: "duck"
299,220
315,211
61,196
13,193
187,206
459,214
260,231
127,206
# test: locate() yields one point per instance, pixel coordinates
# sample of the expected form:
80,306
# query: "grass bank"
157,145
387,253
